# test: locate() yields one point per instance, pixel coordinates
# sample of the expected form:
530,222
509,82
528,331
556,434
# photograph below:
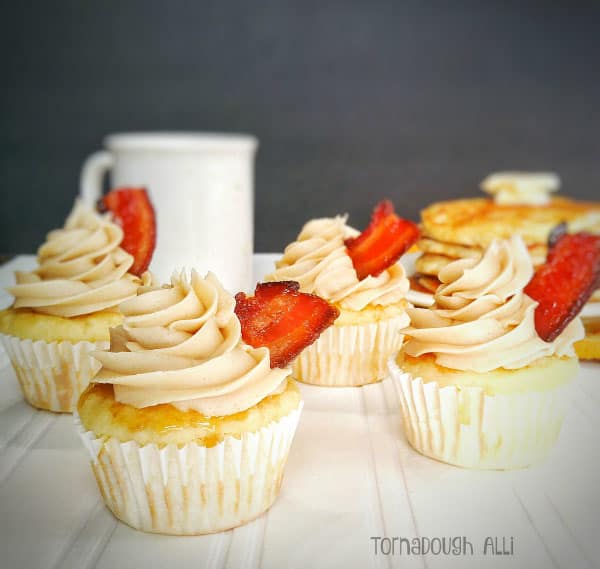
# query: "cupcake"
517,202
484,375
188,427
359,274
64,308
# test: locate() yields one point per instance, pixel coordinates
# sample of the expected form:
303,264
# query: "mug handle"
93,171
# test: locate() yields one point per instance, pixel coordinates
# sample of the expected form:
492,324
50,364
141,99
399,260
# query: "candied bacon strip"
133,211
382,243
283,319
565,282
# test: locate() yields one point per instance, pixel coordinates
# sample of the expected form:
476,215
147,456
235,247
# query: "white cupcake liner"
353,355
52,374
465,427
192,489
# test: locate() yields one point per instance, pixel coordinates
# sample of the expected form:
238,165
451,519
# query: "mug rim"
181,140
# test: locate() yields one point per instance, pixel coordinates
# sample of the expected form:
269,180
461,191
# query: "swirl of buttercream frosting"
181,344
81,269
319,262
482,320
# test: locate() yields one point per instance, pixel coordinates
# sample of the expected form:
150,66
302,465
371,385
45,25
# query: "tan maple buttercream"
181,344
482,320
319,262
82,269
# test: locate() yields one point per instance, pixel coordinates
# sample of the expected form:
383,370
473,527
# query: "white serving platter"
351,476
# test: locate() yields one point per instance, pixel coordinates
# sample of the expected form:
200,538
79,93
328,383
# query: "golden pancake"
538,254
454,250
437,254
589,347
430,284
423,283
475,222
431,264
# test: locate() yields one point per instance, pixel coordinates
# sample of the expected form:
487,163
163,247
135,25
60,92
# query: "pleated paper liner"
52,374
353,355
192,489
467,428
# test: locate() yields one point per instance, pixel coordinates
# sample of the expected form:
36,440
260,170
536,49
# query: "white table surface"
351,475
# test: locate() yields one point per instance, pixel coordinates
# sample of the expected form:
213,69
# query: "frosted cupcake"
358,274
189,427
478,386
64,308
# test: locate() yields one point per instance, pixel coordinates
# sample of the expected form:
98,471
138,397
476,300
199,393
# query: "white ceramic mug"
202,189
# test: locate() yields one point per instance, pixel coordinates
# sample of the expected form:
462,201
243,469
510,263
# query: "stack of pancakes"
520,204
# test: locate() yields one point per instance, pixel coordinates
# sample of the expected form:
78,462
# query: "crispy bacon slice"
565,282
283,319
133,211
383,242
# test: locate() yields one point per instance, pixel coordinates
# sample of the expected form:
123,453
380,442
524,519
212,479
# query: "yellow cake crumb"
164,424
541,375
370,314
26,324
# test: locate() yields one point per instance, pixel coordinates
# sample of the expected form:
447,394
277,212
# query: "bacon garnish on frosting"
283,319
565,282
132,210
318,260
383,242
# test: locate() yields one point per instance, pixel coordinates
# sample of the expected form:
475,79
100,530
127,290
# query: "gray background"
352,101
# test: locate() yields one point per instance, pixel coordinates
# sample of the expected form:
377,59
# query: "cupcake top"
482,320
82,269
181,344
318,260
